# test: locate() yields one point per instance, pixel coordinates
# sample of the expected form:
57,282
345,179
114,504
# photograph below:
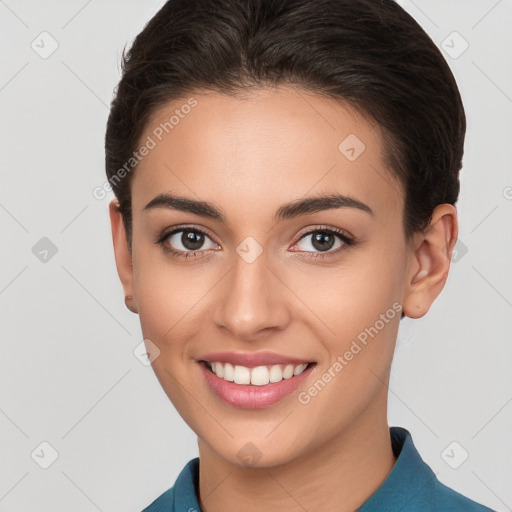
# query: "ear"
122,254
431,260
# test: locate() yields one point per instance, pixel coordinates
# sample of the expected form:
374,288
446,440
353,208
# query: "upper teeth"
259,375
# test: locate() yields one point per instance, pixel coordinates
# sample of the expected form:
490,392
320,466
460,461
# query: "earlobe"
130,304
430,262
122,254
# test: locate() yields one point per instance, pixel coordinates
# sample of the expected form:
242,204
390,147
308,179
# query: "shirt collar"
409,473
409,479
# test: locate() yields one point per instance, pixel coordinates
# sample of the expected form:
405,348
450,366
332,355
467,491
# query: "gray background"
68,376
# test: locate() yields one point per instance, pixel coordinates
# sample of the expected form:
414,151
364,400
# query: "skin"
249,156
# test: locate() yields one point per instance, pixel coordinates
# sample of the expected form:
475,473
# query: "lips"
253,380
250,396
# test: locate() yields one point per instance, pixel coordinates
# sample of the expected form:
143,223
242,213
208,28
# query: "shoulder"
425,491
444,498
412,486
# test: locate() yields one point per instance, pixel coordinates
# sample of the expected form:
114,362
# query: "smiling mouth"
258,375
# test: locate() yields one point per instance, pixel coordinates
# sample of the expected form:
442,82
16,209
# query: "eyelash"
347,242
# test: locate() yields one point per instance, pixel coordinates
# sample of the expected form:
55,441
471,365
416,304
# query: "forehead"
268,147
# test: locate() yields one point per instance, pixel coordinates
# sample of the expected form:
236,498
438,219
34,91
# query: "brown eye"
187,240
321,241
324,242
192,240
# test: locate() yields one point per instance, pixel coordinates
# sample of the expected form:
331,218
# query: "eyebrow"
287,211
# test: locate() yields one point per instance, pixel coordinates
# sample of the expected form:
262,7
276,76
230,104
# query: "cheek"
350,295
161,295
359,304
363,321
172,301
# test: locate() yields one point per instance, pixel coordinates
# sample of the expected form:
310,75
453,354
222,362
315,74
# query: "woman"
285,175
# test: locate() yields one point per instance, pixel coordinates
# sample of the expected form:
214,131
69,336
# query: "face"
258,282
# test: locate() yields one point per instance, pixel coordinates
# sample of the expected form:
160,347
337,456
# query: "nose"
252,301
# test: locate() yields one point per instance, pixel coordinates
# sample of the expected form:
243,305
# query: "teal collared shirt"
410,487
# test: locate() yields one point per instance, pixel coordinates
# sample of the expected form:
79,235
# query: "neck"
341,474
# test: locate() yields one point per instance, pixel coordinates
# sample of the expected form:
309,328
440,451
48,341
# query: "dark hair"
369,54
